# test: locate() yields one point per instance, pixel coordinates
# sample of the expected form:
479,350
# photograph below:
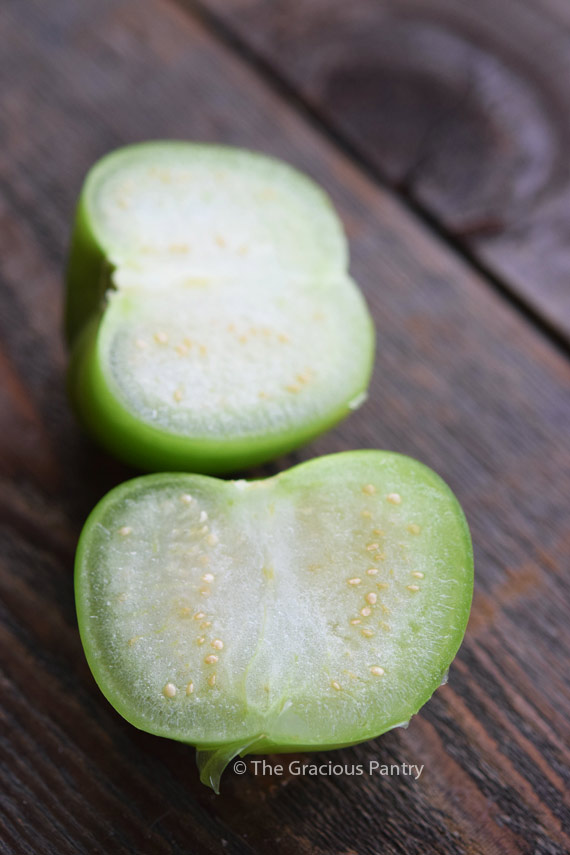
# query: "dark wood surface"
466,379
463,108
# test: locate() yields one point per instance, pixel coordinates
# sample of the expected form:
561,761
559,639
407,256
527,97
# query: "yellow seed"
190,688
140,343
185,611
283,337
220,241
372,571
293,388
211,659
382,586
365,612
205,624
336,685
372,546
208,577
217,643
377,671
186,498
354,581
394,498
417,575
125,531
169,690
199,616
134,640
367,632
355,621
377,531
212,680
413,528
178,394
366,514
161,337
203,350
200,640
182,349
369,489
371,598
413,588
212,539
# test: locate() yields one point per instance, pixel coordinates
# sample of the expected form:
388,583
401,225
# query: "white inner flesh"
213,211
225,361
270,570
233,314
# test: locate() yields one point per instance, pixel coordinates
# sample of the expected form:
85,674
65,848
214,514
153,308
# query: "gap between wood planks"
225,34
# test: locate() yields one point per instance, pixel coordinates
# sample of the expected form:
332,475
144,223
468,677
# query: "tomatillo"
212,321
311,610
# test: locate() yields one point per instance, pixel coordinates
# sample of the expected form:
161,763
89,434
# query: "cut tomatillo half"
212,320
311,610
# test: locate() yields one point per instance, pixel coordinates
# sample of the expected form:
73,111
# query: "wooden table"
442,131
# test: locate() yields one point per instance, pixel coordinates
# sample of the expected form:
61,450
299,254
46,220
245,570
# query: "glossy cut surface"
314,609
212,320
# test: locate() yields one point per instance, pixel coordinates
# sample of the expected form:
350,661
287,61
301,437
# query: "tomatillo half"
311,610
212,321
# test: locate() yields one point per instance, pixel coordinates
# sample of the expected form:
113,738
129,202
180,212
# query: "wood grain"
464,108
462,382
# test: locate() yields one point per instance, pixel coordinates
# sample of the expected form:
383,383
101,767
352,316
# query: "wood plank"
461,381
463,107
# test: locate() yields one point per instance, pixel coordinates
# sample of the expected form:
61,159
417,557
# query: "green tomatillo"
311,610
212,321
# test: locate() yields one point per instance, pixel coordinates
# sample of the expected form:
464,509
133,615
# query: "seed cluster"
170,690
373,549
187,347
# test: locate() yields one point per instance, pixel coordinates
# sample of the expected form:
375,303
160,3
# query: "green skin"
120,431
213,757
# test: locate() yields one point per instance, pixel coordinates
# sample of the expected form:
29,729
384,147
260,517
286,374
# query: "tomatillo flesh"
311,610
212,321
